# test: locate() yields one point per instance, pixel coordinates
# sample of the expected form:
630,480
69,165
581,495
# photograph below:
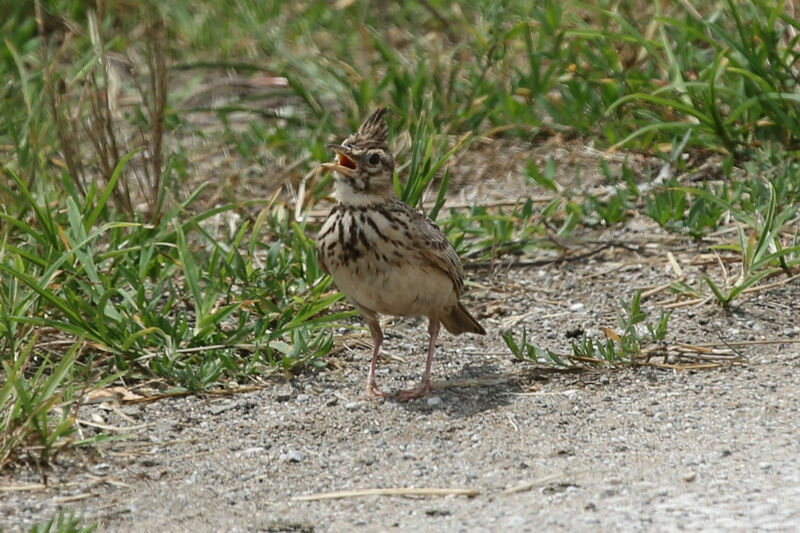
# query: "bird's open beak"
344,164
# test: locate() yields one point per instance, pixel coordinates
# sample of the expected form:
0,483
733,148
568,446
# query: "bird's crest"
375,128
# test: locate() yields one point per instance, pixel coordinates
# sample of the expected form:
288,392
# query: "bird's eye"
374,159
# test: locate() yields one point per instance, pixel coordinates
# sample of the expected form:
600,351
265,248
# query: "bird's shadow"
476,388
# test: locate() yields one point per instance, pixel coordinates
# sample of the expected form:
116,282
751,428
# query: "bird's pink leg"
424,387
372,391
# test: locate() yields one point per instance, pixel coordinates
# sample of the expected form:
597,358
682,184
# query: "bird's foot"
424,389
372,392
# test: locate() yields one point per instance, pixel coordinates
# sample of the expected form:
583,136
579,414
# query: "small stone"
690,476
433,401
475,437
221,407
571,394
100,469
133,411
351,405
303,397
764,466
576,306
294,456
284,393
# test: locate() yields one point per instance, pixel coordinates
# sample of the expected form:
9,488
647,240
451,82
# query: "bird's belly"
375,261
398,289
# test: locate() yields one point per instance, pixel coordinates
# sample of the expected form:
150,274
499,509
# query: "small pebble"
571,394
690,476
764,466
284,393
302,397
294,456
100,469
433,401
351,405
576,306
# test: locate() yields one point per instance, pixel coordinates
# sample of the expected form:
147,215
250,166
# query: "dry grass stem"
386,492
528,485
32,487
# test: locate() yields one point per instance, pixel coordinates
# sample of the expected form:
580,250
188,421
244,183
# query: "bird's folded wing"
321,261
437,250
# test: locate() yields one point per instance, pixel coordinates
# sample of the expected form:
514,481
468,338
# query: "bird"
384,256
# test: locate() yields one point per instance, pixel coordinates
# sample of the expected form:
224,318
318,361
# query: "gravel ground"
650,449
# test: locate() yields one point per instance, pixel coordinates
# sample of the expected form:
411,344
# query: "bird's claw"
372,392
423,390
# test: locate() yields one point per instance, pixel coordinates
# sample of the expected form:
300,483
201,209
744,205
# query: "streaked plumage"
384,256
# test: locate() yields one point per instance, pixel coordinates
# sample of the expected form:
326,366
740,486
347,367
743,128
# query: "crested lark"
384,256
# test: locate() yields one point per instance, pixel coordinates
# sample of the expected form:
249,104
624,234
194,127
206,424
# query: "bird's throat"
356,192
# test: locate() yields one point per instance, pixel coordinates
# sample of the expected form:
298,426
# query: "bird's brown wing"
321,242
437,250
326,234
321,261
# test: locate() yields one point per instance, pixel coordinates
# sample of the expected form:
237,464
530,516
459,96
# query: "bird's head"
364,165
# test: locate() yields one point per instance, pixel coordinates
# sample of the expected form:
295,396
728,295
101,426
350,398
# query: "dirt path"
632,449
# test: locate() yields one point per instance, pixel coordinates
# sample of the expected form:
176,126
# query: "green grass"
631,346
116,263
63,523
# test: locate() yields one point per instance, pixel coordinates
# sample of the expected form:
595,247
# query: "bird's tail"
460,321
